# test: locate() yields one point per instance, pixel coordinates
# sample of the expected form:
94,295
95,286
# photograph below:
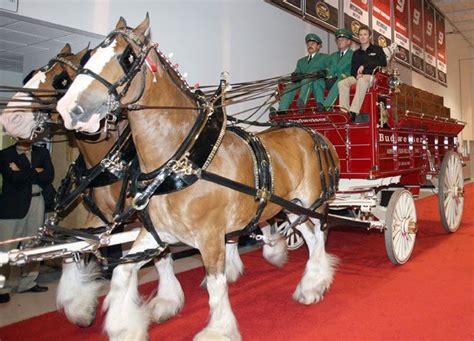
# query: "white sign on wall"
9,5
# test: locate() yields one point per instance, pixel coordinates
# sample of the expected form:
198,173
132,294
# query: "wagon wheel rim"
401,227
294,239
451,193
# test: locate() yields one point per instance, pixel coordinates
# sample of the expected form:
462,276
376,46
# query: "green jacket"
307,85
316,64
337,66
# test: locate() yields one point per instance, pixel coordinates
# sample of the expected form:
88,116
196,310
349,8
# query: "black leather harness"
189,162
263,176
113,168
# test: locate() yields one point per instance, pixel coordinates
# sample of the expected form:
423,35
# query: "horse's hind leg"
222,324
127,318
320,268
233,263
275,253
170,297
78,291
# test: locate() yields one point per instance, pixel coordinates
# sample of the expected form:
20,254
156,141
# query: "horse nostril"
77,110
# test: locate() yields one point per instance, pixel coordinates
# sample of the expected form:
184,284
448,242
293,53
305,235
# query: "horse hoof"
87,324
212,335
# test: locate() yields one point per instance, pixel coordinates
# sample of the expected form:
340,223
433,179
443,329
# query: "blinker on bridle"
62,81
129,62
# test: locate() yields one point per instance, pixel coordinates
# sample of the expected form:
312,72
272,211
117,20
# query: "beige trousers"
363,83
21,278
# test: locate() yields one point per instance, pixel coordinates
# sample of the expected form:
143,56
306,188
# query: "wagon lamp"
394,81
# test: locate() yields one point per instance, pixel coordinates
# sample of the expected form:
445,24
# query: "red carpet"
429,298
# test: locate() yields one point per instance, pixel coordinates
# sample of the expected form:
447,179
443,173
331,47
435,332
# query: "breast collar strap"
197,150
114,163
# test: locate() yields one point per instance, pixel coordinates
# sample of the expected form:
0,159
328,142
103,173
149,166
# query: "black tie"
309,59
342,55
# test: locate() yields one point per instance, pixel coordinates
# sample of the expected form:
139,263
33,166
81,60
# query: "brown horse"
203,213
78,290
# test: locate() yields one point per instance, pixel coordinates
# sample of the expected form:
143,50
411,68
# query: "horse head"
28,110
104,82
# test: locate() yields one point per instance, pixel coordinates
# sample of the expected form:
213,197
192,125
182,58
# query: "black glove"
330,82
321,74
297,77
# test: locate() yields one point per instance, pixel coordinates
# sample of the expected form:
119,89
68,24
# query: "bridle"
60,82
131,64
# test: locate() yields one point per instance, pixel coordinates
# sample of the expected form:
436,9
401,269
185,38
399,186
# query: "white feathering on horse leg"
275,253
233,263
127,318
320,268
170,297
78,291
222,323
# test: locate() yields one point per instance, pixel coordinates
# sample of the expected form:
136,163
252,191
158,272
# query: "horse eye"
61,81
127,58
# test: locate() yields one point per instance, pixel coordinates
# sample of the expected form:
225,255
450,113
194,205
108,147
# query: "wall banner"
323,12
441,49
382,22
401,31
416,32
430,40
295,6
356,14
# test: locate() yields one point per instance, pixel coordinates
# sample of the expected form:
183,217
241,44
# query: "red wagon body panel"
371,151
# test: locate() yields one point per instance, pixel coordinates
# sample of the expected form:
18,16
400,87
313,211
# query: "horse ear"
66,49
122,23
144,27
81,53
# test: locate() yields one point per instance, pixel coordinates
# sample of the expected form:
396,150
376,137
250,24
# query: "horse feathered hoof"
87,324
214,335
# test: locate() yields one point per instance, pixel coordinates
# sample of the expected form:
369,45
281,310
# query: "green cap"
343,32
313,37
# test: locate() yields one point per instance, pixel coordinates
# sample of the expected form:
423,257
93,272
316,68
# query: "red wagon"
385,163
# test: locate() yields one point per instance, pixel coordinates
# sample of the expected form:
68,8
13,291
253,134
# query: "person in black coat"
28,174
364,62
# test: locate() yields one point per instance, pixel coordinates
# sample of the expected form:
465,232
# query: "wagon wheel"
294,239
451,192
401,226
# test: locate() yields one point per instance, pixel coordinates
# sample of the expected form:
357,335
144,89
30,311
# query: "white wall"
249,38
10,78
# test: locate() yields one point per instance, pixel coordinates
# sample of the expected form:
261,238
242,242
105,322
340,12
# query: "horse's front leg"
79,287
78,290
127,318
222,324
170,297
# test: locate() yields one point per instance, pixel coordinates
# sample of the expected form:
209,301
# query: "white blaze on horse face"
96,64
19,122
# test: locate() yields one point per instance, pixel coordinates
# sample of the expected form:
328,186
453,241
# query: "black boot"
320,107
362,118
4,298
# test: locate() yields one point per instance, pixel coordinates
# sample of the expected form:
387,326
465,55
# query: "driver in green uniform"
312,63
338,65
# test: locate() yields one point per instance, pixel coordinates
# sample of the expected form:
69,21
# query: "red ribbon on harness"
151,65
